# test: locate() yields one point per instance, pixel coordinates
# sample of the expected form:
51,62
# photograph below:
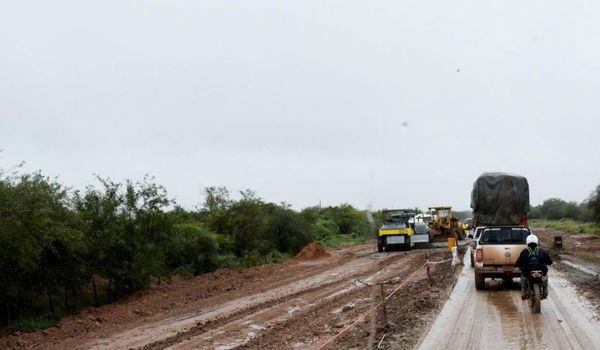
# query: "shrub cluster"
556,209
61,251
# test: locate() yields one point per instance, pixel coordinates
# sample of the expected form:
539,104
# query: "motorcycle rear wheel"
535,301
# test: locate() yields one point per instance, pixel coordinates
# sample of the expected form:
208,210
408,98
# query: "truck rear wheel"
479,281
379,245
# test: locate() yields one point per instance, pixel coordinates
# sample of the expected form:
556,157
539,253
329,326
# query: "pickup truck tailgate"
502,245
502,254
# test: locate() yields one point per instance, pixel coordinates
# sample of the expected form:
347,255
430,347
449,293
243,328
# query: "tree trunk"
50,301
66,301
108,290
96,303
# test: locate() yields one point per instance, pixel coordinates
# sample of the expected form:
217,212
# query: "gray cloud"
305,101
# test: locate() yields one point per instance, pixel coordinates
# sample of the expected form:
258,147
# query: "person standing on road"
533,258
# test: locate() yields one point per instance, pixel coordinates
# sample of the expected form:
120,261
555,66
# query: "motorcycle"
535,291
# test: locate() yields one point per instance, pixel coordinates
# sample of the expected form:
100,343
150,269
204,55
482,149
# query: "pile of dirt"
312,251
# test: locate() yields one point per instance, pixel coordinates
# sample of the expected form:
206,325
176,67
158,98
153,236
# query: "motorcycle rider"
533,258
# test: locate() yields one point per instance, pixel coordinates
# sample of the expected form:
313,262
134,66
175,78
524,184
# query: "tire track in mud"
569,323
327,311
497,318
140,334
206,300
309,322
205,326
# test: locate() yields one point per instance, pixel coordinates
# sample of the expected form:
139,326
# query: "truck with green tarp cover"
500,199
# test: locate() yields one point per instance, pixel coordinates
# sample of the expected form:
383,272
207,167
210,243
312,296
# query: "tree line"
556,209
63,250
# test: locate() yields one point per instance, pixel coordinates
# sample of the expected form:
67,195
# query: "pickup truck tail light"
479,255
523,220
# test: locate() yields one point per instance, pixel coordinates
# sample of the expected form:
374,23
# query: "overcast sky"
381,103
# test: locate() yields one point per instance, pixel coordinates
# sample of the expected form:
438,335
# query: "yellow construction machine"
443,224
399,229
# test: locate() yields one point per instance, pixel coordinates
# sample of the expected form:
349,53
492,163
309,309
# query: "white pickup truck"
497,250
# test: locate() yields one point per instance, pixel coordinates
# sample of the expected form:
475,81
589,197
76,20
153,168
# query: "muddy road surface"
322,300
497,318
301,303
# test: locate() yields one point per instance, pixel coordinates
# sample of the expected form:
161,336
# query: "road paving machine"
400,230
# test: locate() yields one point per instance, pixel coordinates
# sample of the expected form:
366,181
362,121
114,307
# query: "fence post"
428,273
383,304
371,338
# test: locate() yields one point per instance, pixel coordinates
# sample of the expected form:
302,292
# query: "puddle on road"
497,318
517,327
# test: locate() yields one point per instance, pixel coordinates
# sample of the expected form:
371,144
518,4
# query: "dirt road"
303,303
497,318
298,304
296,313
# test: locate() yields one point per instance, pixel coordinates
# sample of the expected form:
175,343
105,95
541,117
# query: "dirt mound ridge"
312,251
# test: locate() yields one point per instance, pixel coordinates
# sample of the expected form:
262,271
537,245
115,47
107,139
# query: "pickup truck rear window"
504,235
478,232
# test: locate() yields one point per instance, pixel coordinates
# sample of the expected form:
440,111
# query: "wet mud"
497,318
298,304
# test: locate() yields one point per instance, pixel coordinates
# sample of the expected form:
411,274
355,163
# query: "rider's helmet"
532,239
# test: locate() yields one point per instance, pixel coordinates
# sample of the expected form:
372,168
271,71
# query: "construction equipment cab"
399,229
443,224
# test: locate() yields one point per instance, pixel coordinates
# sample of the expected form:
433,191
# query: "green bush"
55,246
34,322
192,246
252,258
41,248
228,261
325,227
338,240
566,225
226,243
126,230
276,257
594,205
557,209
288,230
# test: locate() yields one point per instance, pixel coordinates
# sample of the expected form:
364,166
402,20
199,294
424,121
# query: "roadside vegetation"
558,209
573,217
567,225
63,250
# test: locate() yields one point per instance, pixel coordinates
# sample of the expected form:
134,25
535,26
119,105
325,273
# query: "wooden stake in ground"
373,329
383,305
